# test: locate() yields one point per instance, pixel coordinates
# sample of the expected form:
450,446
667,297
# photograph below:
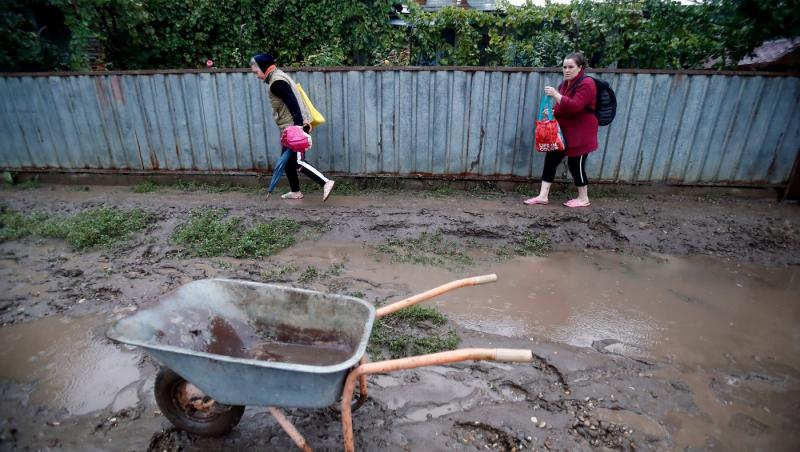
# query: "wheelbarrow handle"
413,362
444,288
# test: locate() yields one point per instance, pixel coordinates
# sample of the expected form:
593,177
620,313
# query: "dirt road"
660,319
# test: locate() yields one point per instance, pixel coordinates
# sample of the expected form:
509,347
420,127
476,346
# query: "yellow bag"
316,117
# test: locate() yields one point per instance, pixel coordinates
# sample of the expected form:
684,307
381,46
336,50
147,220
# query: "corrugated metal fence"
685,128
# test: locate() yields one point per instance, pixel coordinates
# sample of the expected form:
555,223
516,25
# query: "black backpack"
605,103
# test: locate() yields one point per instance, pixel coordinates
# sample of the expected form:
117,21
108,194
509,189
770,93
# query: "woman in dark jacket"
574,110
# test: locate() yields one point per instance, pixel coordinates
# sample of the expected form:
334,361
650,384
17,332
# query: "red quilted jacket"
578,125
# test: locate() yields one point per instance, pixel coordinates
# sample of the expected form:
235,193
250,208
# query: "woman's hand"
552,92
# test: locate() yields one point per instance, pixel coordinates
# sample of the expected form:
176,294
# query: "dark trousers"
576,167
296,161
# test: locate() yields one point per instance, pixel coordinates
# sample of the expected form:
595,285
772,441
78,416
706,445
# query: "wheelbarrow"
227,343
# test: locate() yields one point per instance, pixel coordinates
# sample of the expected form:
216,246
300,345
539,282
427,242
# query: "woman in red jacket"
574,110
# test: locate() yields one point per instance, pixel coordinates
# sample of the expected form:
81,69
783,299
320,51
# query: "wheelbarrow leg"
362,387
289,429
380,367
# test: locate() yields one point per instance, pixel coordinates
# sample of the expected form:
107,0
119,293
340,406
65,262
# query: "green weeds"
607,191
278,273
147,186
14,225
415,330
207,233
309,275
103,227
427,249
441,191
150,186
530,244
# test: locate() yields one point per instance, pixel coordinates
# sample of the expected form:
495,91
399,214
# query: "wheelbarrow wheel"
191,410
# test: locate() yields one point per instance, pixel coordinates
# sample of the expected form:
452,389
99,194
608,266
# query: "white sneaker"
326,190
292,195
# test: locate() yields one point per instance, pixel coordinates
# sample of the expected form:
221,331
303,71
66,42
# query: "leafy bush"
131,34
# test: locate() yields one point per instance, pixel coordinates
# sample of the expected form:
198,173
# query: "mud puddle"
728,332
692,310
71,364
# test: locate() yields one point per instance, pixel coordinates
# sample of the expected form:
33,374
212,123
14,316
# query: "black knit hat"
263,60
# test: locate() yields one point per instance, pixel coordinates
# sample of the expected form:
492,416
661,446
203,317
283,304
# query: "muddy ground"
594,397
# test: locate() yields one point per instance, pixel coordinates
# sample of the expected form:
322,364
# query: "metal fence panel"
684,128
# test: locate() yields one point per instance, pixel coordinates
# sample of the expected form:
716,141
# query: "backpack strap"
577,82
575,88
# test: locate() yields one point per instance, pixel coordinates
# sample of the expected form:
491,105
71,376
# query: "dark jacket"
575,115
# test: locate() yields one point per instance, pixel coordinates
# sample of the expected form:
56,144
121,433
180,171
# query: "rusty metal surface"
684,128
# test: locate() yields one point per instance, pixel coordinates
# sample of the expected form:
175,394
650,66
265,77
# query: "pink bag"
294,138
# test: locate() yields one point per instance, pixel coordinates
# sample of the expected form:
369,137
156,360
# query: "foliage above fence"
160,34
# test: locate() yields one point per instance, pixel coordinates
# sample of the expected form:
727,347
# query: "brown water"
693,310
202,331
71,363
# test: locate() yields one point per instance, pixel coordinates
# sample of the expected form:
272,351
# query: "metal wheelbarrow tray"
247,343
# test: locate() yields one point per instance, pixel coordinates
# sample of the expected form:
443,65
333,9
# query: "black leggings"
576,167
298,162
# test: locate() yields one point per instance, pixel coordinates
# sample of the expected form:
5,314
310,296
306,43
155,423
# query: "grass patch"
311,187
441,191
485,189
530,244
278,273
150,186
181,184
345,188
427,249
607,191
98,227
415,330
383,185
30,183
207,233
335,269
147,186
309,275
14,225
315,229
417,314
527,190
356,294
103,227
10,178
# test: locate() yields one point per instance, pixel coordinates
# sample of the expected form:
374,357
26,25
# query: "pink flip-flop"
574,203
533,201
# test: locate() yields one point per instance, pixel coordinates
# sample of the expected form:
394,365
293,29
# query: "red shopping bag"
548,132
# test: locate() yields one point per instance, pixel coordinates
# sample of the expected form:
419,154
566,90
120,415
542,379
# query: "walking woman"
288,109
574,110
